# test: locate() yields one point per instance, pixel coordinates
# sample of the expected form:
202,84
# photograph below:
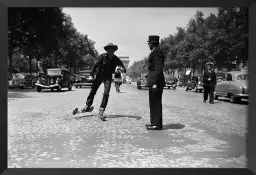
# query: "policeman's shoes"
153,127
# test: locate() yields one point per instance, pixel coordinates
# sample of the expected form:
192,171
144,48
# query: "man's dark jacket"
104,67
155,68
208,75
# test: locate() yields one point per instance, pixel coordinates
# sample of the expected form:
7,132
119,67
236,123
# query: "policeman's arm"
159,66
99,60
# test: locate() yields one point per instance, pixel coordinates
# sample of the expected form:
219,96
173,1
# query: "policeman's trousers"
155,105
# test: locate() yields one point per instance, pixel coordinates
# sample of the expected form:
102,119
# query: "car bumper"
200,87
83,84
170,85
47,87
244,96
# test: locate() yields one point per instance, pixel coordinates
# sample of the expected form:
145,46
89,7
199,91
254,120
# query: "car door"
220,86
227,85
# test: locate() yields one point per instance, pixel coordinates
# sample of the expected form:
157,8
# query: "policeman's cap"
209,63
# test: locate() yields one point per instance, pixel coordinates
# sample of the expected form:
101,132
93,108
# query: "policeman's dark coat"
155,68
104,67
208,75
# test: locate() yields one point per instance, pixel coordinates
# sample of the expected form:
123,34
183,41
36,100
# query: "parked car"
31,80
142,81
17,80
83,79
220,76
234,86
54,79
181,83
196,84
170,81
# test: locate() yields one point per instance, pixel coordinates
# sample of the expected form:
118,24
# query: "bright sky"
129,28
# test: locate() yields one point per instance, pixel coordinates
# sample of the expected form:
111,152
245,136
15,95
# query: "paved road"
42,132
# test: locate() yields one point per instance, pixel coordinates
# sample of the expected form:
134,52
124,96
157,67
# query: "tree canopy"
221,38
47,35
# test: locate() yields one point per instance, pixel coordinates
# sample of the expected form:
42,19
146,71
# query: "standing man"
102,70
155,81
209,79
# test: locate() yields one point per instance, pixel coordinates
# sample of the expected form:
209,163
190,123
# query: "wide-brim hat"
153,38
111,46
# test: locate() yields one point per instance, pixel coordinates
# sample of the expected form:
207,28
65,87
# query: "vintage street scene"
127,88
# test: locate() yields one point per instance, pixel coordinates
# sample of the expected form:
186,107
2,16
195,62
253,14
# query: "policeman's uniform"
155,77
209,80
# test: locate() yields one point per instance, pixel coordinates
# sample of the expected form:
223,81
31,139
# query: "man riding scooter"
118,78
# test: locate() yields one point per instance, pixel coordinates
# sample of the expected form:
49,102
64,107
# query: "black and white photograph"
127,87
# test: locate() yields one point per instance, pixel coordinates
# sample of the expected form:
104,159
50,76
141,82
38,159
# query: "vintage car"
83,79
181,83
196,83
220,76
234,86
19,80
170,81
142,81
54,79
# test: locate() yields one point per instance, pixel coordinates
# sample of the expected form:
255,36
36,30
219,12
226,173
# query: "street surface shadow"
17,95
173,126
243,102
22,90
122,92
123,116
84,116
55,91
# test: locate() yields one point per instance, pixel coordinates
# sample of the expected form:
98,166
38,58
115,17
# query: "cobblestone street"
42,132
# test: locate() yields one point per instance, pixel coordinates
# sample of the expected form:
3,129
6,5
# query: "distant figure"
155,81
209,83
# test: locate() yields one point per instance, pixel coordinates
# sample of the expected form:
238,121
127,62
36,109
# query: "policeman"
209,80
155,82
103,70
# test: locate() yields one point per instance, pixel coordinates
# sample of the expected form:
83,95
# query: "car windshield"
243,77
53,72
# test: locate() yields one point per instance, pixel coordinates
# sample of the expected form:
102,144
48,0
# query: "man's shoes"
87,109
148,125
101,116
153,127
211,102
204,101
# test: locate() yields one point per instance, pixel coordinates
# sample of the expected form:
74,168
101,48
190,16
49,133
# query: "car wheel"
59,88
216,96
196,89
76,86
52,90
70,88
80,86
169,87
232,98
201,91
38,89
174,87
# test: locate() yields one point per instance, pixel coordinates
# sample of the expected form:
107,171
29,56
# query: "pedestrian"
209,79
155,82
102,72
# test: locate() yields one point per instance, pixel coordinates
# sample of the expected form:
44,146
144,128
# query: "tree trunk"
30,63
10,59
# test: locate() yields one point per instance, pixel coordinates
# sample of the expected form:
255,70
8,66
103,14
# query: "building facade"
125,61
